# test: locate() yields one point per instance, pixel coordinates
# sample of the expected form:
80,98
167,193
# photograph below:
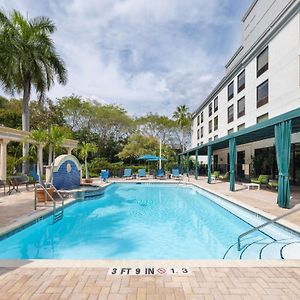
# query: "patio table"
14,182
250,185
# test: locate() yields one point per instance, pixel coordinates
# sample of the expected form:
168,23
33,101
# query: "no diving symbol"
161,270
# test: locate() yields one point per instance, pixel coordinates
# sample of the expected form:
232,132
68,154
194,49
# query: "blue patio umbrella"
150,157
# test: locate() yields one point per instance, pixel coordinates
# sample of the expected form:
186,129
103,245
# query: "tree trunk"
182,139
86,168
50,155
25,123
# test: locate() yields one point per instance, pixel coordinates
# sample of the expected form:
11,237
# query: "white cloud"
144,55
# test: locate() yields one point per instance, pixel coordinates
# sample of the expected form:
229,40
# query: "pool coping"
23,222
111,263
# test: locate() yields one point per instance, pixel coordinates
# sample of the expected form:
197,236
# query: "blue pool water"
134,221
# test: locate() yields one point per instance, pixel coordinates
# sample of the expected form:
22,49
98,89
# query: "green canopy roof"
257,132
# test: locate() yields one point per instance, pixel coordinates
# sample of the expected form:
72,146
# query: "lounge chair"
215,175
273,184
3,184
35,176
224,177
142,174
104,175
127,173
160,173
262,179
175,174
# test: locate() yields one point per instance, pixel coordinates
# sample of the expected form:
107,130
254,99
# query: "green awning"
257,132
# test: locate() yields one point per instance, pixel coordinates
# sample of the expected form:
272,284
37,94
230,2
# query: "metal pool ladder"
295,209
57,211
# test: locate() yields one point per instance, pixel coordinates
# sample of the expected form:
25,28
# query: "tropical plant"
40,136
84,150
183,120
56,137
28,58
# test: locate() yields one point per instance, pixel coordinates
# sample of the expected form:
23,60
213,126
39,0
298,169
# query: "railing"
295,209
57,212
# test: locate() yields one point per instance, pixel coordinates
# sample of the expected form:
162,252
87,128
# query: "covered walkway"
280,127
14,135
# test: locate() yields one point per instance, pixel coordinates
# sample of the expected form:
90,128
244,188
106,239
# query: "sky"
146,56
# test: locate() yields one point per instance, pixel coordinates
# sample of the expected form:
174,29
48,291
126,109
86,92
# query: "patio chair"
127,174
142,174
104,175
273,184
160,173
175,174
35,176
215,175
224,177
262,179
3,184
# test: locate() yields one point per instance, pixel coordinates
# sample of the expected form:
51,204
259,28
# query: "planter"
42,196
89,180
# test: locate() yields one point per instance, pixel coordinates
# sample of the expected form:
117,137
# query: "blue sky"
147,56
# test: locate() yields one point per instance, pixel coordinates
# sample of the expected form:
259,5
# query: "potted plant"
84,150
41,137
42,196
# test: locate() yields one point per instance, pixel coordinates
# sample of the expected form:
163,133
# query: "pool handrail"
295,209
56,217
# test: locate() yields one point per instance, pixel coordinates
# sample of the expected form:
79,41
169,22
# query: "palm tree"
183,119
55,139
84,150
28,58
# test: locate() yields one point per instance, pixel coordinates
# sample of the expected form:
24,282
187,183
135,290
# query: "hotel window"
263,62
230,114
210,109
215,137
210,126
201,132
241,81
262,118
262,94
198,120
201,143
230,91
201,117
241,107
197,144
229,131
210,139
216,104
216,123
198,134
240,127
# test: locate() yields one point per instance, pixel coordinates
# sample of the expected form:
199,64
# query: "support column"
70,150
232,157
187,165
196,165
3,159
181,165
40,161
209,152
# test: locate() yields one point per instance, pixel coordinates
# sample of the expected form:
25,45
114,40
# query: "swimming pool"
148,221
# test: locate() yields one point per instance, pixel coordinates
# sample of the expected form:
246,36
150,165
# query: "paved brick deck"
205,283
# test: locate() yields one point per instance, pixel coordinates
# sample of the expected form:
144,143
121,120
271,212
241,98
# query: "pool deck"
52,279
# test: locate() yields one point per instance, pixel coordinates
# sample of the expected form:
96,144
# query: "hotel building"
262,81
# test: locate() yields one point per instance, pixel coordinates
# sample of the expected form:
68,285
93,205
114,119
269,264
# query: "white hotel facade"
262,81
